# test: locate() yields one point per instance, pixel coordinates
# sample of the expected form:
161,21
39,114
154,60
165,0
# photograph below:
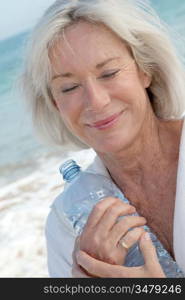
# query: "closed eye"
69,89
108,75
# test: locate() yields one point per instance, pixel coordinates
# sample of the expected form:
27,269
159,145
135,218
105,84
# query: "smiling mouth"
106,123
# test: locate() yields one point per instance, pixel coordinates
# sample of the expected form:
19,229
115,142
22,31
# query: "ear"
146,79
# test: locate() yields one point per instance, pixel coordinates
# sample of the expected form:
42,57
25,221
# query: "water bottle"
82,199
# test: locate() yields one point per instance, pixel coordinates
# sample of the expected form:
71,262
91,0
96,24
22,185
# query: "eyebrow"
98,66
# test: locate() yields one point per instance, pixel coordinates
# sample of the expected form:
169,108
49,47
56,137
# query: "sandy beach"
24,206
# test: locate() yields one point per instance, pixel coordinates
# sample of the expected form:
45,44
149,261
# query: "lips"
106,122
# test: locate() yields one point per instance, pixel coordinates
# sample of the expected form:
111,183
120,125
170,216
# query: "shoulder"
60,234
59,245
56,218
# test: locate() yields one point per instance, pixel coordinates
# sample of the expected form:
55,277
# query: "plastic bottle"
82,199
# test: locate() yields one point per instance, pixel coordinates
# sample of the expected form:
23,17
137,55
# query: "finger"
130,238
99,210
152,266
148,250
105,270
97,267
124,225
111,215
77,272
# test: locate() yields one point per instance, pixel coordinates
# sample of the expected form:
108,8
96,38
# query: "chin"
111,142
110,147
115,144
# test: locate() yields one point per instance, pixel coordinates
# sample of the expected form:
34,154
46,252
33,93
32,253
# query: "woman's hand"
97,268
77,271
103,231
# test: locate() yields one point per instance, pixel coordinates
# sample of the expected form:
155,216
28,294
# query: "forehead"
86,43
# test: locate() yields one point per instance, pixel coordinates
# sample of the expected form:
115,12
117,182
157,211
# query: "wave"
43,175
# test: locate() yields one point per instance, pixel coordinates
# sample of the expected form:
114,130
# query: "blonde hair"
142,30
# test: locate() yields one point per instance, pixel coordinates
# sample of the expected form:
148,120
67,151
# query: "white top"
60,237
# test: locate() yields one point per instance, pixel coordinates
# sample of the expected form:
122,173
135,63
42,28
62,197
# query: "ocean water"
21,153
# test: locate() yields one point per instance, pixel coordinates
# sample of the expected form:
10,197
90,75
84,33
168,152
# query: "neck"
147,157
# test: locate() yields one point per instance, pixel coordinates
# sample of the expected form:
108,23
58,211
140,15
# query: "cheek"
134,88
133,96
64,108
70,114
124,86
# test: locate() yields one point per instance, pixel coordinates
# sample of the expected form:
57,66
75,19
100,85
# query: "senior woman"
104,75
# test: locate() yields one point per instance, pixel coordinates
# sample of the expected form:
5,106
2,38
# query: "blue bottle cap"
69,170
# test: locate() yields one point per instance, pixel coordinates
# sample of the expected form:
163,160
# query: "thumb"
148,249
97,268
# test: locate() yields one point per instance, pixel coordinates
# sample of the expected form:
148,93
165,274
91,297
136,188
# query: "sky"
19,15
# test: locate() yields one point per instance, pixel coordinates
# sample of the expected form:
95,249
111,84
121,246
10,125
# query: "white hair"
138,25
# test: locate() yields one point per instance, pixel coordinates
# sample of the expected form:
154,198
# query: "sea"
21,152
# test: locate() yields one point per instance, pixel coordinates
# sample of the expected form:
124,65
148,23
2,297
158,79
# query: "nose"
96,96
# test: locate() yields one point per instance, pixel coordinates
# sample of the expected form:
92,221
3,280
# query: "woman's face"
98,88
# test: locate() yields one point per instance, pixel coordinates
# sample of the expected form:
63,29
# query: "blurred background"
29,177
